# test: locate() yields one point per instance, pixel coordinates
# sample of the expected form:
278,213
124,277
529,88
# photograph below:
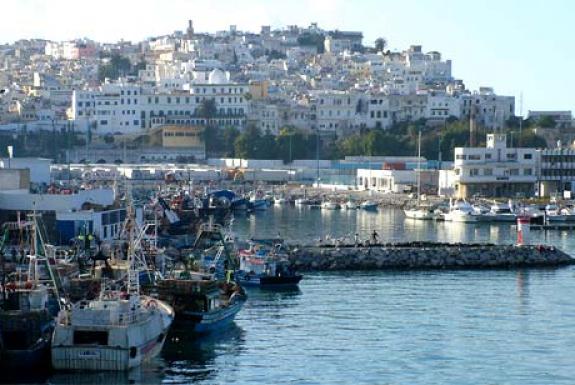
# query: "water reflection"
189,357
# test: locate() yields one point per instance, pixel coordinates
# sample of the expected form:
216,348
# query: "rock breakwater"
425,255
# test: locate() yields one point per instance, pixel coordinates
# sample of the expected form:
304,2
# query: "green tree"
312,39
546,121
380,44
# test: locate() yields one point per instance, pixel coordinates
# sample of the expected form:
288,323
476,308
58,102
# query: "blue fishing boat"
202,304
205,298
264,266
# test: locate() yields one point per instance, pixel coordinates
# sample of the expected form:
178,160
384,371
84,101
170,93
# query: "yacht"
461,211
330,205
419,211
423,213
500,212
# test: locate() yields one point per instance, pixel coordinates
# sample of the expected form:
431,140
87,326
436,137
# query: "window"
527,171
473,172
487,156
474,157
514,171
511,156
461,157
528,156
487,172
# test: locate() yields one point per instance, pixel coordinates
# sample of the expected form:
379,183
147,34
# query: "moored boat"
264,266
118,331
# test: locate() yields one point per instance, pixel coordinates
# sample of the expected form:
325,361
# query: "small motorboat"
330,205
422,213
368,205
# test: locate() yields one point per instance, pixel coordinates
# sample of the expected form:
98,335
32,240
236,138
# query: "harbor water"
412,327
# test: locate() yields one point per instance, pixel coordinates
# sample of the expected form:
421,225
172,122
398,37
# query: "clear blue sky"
511,45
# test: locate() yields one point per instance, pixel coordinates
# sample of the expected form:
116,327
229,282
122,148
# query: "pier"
425,255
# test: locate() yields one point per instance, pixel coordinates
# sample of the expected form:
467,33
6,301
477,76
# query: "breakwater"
425,255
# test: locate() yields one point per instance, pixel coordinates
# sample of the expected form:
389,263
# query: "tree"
313,39
546,121
208,110
380,44
116,67
228,138
246,144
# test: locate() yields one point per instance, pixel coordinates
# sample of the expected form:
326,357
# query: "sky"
517,47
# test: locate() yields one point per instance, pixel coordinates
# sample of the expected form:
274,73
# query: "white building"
128,108
333,112
496,170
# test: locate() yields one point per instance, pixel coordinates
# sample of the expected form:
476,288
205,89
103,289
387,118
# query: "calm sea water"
421,327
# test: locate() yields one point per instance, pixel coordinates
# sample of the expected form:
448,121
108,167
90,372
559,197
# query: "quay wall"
425,255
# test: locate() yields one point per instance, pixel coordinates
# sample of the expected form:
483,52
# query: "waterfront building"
495,170
557,172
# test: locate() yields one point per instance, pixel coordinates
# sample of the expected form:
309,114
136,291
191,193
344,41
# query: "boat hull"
126,346
418,214
208,322
268,281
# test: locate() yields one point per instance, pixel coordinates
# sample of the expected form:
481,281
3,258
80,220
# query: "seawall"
425,255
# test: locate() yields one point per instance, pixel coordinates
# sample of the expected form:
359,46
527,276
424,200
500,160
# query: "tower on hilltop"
190,30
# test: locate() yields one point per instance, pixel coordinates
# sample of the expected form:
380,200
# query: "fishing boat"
201,303
207,300
118,331
263,265
258,202
27,311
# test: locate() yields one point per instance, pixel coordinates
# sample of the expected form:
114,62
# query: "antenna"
520,113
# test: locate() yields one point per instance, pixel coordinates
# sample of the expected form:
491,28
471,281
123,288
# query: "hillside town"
280,94
297,205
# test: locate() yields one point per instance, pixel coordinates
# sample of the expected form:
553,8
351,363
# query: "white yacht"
419,211
330,205
461,211
423,213
118,331
500,212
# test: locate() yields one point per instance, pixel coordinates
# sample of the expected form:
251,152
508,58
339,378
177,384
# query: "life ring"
152,304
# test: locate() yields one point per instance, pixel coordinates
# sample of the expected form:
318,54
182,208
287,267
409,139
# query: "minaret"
472,128
190,30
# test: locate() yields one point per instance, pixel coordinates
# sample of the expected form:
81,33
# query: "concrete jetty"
425,255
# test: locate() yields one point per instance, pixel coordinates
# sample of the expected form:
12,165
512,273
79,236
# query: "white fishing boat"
118,331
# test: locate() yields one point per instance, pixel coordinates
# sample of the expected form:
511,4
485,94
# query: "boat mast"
418,166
